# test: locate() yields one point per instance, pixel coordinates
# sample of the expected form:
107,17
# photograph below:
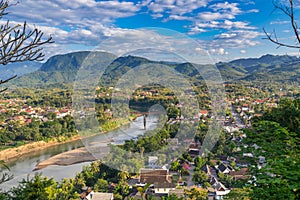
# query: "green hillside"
63,69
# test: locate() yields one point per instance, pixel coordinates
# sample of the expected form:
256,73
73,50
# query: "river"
23,167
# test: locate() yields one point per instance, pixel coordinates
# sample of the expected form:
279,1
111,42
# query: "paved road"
189,181
237,118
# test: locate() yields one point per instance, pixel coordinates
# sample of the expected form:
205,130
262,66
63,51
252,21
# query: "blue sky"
227,30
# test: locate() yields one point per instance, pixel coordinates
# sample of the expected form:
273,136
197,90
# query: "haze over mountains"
19,69
63,69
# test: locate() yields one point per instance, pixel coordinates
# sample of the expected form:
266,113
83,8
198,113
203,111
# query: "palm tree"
5,176
123,175
143,190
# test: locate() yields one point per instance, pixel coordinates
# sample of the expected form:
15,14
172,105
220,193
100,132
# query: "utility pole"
144,121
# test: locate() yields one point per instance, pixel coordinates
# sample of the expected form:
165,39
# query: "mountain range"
63,69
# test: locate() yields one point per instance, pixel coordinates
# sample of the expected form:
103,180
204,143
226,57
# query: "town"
214,176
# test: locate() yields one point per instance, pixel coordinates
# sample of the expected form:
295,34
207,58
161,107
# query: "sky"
226,30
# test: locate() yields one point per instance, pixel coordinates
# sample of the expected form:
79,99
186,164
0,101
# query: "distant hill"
63,69
266,59
18,68
58,69
285,72
268,67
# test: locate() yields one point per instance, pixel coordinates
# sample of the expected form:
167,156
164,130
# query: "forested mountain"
57,69
63,69
268,67
267,59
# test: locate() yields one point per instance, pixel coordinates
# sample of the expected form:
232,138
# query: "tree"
196,194
279,178
5,177
37,188
238,194
101,185
288,10
172,197
226,179
143,190
175,166
199,161
123,175
173,112
286,114
122,188
18,42
200,177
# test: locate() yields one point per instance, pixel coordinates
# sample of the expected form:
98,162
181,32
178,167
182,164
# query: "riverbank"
95,148
75,156
17,152
67,158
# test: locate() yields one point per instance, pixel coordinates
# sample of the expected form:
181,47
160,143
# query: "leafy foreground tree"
287,115
278,178
238,194
5,177
39,187
143,190
200,177
196,194
96,175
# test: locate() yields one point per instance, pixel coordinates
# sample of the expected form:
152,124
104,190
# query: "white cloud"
253,11
220,16
227,35
199,27
221,51
208,16
85,23
176,7
198,49
237,24
77,22
279,22
243,51
158,15
152,45
197,30
179,17
231,7
71,13
235,39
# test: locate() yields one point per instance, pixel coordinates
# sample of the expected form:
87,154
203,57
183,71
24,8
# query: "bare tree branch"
18,42
288,10
275,40
3,6
5,81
